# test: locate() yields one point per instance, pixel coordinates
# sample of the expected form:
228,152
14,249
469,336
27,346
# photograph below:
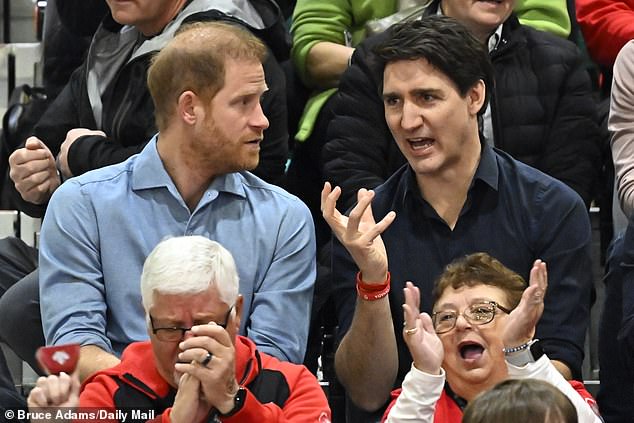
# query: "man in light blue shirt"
190,179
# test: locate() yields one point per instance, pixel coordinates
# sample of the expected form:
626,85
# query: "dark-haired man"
455,196
541,110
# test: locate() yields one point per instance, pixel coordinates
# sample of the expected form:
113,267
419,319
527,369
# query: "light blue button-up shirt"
100,226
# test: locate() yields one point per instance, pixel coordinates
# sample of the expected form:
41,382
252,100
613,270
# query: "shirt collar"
149,172
494,39
487,172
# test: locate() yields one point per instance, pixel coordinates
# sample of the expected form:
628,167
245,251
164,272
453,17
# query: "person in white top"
479,334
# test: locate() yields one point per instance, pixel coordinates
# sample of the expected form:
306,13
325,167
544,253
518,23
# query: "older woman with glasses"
479,334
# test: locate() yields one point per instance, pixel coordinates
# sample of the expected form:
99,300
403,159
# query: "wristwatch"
523,354
238,402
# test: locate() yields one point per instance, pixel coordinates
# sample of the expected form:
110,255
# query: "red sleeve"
394,395
98,392
587,396
606,25
306,403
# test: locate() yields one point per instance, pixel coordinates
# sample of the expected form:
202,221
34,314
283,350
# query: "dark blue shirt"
513,212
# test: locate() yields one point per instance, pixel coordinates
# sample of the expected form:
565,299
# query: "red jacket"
448,411
606,25
276,391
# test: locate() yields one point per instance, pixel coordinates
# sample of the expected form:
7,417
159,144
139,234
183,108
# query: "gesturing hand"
359,233
520,327
419,334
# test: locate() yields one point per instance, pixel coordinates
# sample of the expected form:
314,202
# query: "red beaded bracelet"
372,292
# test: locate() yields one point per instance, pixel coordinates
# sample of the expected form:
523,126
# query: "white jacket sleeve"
544,370
417,401
621,126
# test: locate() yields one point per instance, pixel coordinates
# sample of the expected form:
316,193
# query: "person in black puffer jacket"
542,113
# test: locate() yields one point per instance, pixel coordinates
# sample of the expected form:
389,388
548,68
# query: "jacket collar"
138,367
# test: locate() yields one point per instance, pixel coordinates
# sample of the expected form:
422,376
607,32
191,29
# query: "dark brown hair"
481,269
447,45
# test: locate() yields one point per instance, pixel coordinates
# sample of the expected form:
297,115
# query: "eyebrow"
389,94
179,323
253,91
419,91
414,92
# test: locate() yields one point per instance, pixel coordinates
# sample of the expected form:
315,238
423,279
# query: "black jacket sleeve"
61,116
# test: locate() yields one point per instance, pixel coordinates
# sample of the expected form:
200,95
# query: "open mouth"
470,350
420,143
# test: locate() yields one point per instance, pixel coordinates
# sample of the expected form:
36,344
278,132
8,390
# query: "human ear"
476,96
188,107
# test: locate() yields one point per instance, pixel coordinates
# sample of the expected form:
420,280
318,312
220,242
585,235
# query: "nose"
462,323
411,118
258,118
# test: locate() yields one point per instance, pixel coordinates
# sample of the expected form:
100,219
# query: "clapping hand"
419,334
523,319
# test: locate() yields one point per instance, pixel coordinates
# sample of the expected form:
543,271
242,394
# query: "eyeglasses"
176,334
477,314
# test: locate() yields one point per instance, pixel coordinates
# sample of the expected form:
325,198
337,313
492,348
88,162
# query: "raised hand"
520,327
359,233
55,391
418,332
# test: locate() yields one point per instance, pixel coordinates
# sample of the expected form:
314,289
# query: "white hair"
189,265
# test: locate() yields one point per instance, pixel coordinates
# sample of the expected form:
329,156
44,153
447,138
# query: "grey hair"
188,265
